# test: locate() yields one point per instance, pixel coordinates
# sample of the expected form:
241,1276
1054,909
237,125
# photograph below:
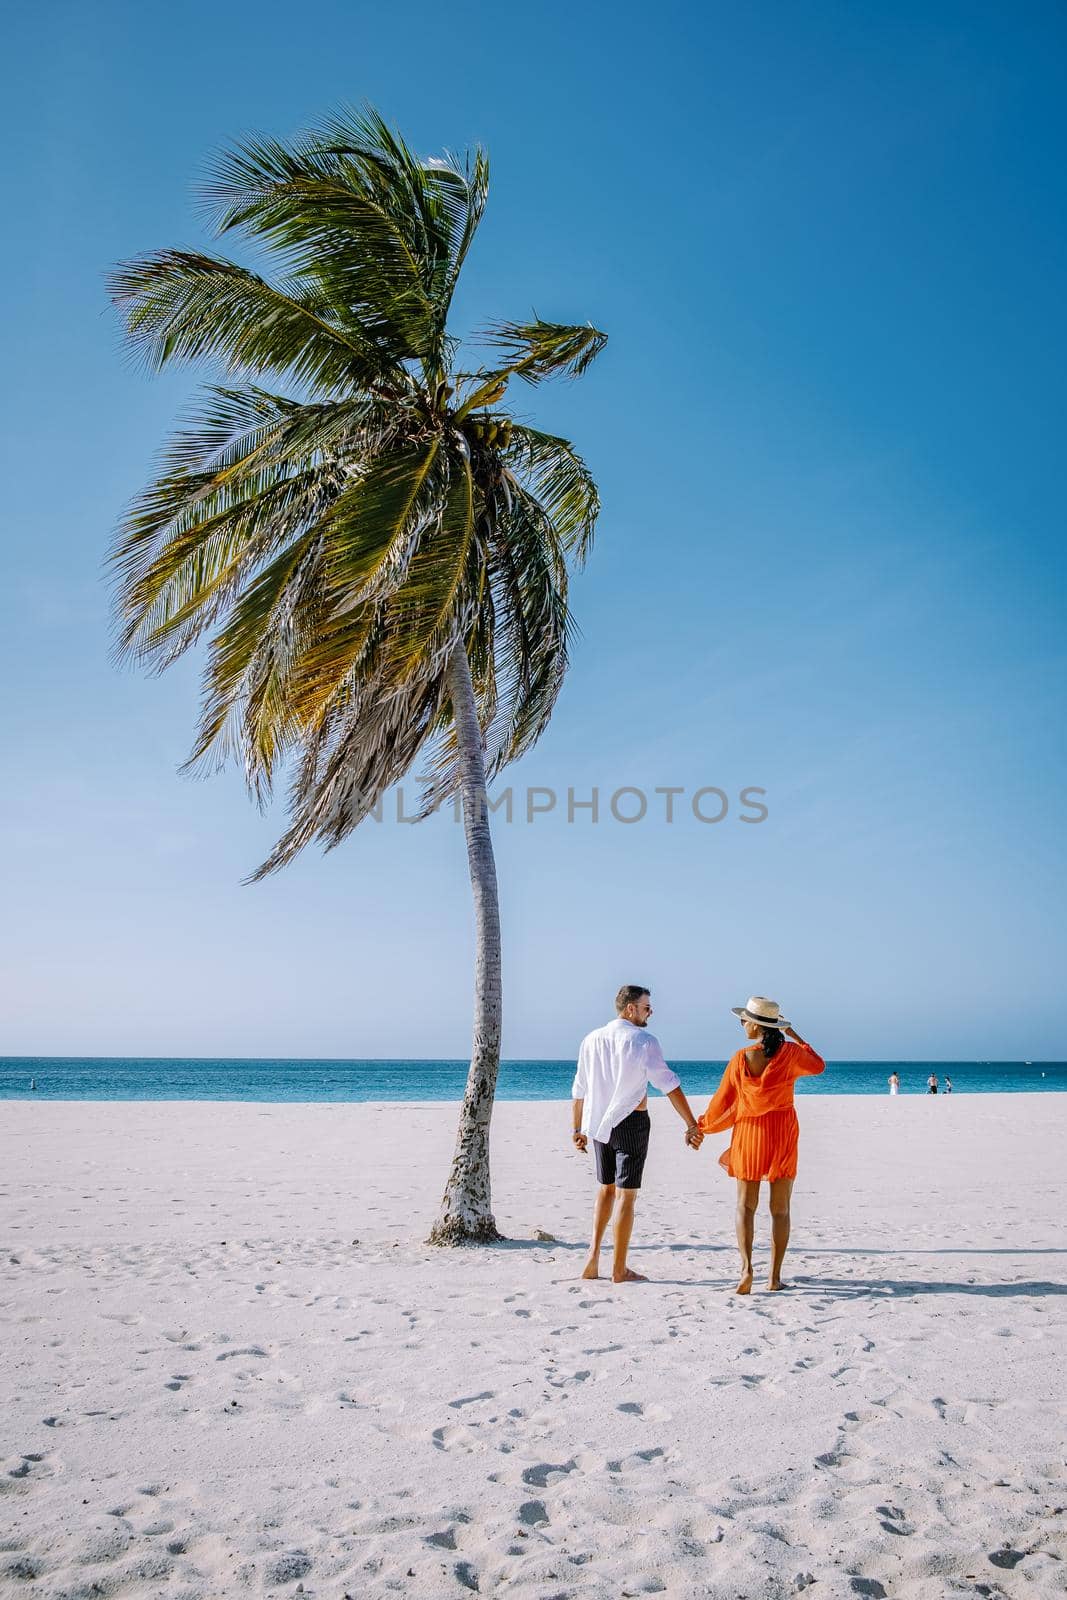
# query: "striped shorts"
622,1160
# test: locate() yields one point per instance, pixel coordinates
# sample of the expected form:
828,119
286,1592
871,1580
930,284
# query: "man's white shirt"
616,1064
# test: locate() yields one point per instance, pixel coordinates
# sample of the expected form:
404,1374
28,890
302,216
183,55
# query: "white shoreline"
456,1415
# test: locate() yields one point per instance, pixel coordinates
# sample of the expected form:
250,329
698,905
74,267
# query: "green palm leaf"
557,477
245,708
538,350
423,613
369,521
181,304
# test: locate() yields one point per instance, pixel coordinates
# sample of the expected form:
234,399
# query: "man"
616,1064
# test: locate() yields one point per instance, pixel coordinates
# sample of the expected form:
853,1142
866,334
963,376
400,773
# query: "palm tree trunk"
466,1215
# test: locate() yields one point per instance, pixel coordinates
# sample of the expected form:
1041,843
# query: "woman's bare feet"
591,1269
629,1276
745,1286
774,1284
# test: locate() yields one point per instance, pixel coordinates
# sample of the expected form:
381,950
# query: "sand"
231,1367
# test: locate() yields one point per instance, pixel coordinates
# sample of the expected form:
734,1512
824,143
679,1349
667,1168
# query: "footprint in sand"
445,1540
1007,1558
545,1473
106,1544
639,1458
575,1377
245,1350
893,1520
24,1567
26,1472
634,1408
454,1438
288,1568
471,1399
153,1530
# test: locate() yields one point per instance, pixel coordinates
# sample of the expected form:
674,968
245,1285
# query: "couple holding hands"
616,1064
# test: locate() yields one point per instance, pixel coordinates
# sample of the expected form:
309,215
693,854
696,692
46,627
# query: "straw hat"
763,1012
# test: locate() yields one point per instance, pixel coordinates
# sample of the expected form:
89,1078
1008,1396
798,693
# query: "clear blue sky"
828,243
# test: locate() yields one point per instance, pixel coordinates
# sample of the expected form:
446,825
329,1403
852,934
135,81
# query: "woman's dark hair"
772,1040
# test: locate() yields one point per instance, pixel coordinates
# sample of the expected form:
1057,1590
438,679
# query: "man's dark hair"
628,994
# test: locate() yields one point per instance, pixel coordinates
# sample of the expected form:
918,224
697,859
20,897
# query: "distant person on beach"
755,1099
894,1083
616,1063
931,1083
948,1085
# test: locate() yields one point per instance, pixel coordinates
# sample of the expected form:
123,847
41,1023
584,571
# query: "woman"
755,1099
894,1083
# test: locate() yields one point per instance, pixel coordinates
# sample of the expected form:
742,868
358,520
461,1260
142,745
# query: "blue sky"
828,244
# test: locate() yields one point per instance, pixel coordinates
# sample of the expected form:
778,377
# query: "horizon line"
695,1061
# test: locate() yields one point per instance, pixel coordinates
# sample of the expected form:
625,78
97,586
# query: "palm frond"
187,584
421,618
533,628
229,429
352,210
370,520
370,543
557,477
537,350
352,761
183,305
245,708
245,476
517,643
437,203
464,192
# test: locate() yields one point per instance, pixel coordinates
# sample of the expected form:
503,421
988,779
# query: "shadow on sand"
871,1288
838,1288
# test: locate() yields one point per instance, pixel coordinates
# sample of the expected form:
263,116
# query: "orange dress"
761,1113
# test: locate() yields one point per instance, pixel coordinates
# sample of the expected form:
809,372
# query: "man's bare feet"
745,1286
629,1276
591,1269
774,1284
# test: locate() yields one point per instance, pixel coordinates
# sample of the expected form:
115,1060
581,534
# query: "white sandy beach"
231,1367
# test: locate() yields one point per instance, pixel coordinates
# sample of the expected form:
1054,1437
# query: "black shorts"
622,1160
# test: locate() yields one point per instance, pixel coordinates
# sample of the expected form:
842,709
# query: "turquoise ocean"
134,1078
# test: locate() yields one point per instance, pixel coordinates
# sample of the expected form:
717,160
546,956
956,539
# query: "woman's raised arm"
809,1063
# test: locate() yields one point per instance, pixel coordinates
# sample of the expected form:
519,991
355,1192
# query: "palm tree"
380,553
